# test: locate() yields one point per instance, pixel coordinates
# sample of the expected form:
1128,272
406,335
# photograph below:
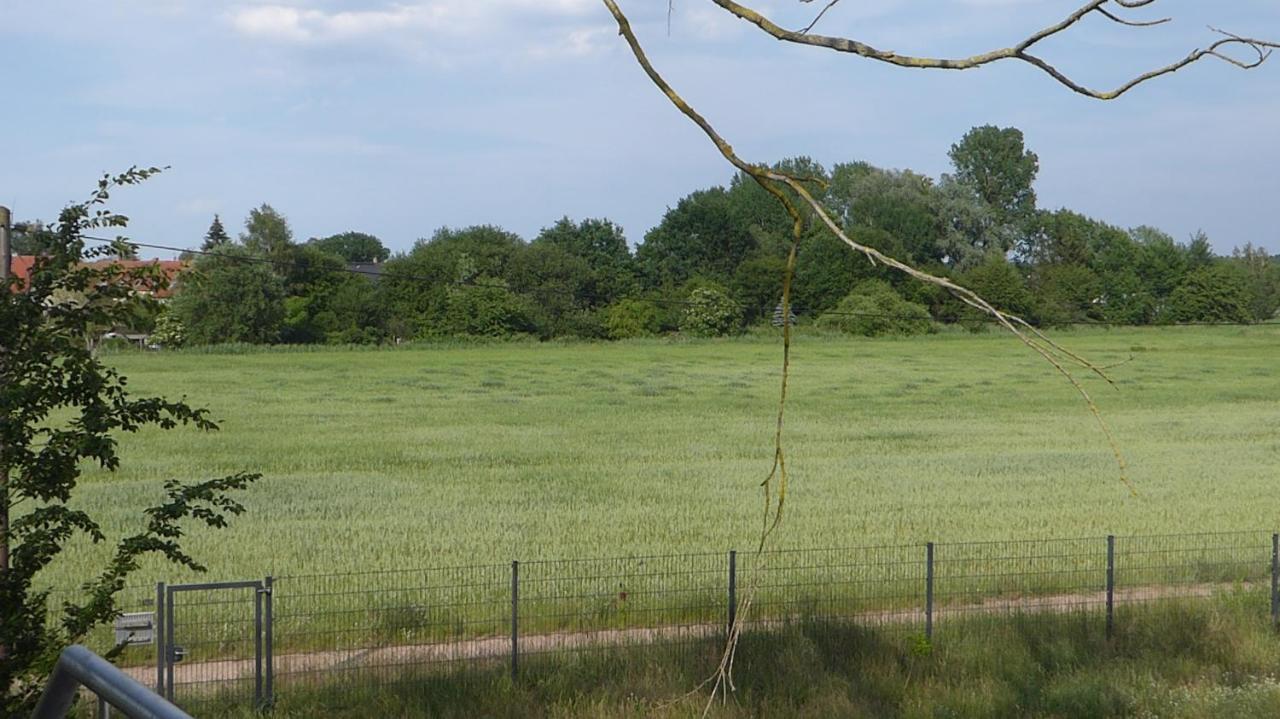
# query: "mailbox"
135,629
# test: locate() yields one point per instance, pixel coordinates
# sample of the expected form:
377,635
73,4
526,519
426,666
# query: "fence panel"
372,627
593,604
871,586
974,579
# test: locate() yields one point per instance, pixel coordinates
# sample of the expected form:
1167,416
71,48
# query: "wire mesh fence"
883,587
370,626
235,643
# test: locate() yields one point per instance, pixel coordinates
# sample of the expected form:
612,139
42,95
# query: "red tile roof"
21,268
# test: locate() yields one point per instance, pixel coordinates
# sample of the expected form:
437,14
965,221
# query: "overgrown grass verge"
1177,660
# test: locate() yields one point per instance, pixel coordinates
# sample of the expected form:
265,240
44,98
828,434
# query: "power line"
260,260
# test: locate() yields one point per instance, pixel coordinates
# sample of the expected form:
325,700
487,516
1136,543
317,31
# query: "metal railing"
78,666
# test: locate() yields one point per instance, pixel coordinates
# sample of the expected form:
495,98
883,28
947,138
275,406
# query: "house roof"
21,265
20,268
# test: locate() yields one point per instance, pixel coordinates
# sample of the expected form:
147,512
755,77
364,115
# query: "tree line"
715,263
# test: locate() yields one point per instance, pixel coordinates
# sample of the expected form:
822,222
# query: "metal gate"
204,642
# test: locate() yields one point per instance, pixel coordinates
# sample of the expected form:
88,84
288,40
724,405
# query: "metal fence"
318,630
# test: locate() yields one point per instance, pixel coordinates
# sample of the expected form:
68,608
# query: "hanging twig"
800,205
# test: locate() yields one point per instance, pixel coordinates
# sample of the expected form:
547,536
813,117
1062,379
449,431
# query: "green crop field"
430,456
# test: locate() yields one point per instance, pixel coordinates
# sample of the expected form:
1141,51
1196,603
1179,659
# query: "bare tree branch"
802,206
1020,51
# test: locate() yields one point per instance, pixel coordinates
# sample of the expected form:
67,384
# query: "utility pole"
5,220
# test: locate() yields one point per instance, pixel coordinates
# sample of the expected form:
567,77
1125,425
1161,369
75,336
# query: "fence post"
1111,585
159,635
168,643
515,619
733,588
269,588
257,649
928,592
1275,579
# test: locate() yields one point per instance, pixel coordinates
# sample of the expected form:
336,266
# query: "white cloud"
443,18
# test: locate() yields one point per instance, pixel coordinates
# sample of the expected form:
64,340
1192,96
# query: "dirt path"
227,671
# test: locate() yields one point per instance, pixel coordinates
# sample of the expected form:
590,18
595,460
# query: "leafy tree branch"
60,408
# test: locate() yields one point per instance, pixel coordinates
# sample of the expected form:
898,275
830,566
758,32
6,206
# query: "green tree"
486,309
760,213
62,410
1263,279
216,237
30,238
601,245
1001,283
1199,251
1067,294
901,204
357,313
417,284
826,270
757,285
267,234
1161,262
1124,297
698,237
1217,293
352,247
558,286
230,297
1060,238
874,309
996,163
970,230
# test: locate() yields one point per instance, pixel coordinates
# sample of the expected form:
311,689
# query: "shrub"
710,312
874,309
488,309
999,282
169,332
1210,294
631,318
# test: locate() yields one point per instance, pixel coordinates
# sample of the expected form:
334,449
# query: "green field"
444,455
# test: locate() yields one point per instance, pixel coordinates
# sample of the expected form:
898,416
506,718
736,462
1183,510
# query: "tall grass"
448,455
1173,660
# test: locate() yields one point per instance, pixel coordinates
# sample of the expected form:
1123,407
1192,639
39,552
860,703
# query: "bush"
710,312
230,297
169,332
999,282
625,319
488,309
1210,294
874,309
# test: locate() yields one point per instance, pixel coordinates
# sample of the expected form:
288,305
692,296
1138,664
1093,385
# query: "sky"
397,118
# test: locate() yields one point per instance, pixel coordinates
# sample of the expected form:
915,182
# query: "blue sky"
397,118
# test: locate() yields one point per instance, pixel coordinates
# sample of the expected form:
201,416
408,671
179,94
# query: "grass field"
429,456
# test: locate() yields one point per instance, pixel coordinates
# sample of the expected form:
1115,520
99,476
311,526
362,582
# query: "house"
171,269
372,270
22,265
20,268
